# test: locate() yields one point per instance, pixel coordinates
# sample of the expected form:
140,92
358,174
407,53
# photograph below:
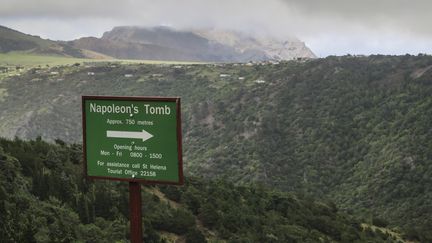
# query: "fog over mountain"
330,27
164,43
161,43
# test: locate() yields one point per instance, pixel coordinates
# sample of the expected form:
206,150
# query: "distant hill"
127,50
160,43
163,43
12,40
271,48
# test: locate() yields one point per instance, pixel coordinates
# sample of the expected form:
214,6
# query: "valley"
349,130
215,121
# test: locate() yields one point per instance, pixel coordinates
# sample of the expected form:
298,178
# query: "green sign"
132,138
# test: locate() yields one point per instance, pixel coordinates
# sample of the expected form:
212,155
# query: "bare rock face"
272,48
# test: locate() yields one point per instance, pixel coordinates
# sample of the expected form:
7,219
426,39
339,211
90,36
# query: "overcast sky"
329,27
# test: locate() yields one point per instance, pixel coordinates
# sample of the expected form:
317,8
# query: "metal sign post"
134,139
135,212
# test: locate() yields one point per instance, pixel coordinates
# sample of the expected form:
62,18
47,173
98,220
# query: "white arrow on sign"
144,135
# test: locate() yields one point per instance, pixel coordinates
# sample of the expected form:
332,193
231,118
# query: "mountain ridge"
13,40
274,48
198,45
159,43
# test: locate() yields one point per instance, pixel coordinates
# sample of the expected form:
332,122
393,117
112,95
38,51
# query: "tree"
195,236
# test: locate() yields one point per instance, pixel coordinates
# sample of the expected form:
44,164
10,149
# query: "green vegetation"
352,130
12,41
44,198
33,60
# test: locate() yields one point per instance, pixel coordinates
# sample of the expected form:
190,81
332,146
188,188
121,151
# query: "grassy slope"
11,41
19,37
17,63
31,60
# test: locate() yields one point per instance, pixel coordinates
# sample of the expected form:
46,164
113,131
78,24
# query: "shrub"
380,222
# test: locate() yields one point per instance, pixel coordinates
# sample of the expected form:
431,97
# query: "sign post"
135,212
134,139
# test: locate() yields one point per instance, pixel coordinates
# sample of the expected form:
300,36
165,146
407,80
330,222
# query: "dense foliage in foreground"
44,198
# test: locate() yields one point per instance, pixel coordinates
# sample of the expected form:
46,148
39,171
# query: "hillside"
163,43
354,130
45,199
128,50
12,41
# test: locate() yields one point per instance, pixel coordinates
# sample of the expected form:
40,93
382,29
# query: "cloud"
250,15
399,15
328,26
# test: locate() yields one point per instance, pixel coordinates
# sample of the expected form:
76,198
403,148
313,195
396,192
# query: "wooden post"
135,212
